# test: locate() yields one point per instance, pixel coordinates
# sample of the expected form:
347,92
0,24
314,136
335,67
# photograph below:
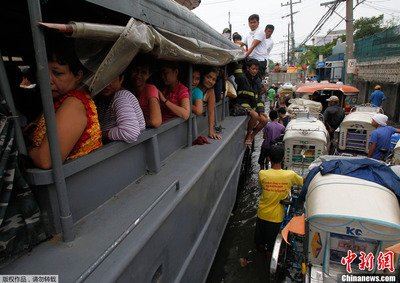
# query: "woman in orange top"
78,127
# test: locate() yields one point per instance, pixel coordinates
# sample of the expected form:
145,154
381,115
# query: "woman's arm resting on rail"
210,96
197,108
155,119
182,110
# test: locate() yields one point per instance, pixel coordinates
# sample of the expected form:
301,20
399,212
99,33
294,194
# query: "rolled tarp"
107,50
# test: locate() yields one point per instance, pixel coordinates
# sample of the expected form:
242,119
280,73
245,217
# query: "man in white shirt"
269,30
257,44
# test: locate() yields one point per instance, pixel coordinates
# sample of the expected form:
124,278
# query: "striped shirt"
122,117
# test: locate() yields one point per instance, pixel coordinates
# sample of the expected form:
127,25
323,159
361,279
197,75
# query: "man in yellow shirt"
276,184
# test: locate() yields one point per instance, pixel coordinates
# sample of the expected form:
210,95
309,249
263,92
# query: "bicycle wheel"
277,268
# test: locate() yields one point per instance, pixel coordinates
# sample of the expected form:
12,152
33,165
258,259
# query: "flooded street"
237,245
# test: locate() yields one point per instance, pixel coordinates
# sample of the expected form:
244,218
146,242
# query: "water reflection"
236,259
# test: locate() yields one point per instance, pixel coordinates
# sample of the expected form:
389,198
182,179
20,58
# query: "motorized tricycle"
350,226
305,139
356,129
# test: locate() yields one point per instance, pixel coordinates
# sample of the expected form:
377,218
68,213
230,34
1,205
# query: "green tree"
362,27
310,56
366,26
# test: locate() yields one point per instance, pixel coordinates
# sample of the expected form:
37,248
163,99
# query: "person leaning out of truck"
147,93
197,94
208,80
120,115
78,127
174,98
248,101
379,142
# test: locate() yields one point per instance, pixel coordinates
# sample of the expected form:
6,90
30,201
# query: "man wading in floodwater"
276,184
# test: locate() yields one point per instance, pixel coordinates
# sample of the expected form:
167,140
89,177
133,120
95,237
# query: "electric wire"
321,22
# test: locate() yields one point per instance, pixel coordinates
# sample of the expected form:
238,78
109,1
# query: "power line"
330,30
355,6
361,2
380,6
380,10
322,21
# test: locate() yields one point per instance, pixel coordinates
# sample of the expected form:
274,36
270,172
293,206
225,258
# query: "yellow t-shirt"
276,185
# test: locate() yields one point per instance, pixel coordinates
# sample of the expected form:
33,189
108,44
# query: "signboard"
351,66
337,73
336,64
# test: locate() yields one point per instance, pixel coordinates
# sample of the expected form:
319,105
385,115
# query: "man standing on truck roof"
259,46
269,30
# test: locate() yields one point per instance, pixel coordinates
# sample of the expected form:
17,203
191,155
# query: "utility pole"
291,3
349,33
230,25
283,55
349,37
288,44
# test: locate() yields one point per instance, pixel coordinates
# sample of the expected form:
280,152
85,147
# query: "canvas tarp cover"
123,43
362,168
20,226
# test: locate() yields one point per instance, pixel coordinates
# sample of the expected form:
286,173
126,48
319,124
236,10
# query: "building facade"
378,62
320,40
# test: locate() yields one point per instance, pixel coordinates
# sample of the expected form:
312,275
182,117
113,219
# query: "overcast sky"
215,13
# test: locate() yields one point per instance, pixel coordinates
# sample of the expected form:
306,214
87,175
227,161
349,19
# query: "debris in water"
244,261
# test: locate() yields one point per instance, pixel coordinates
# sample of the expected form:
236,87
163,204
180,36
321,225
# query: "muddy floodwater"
236,259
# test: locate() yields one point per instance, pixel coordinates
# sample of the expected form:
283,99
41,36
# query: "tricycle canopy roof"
359,117
313,87
306,128
335,201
